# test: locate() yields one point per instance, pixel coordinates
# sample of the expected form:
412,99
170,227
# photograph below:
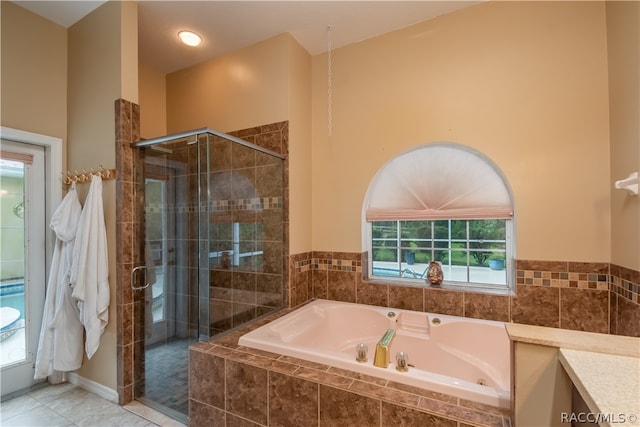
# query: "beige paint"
623,32
129,51
525,83
238,90
542,389
265,83
33,72
97,58
299,116
153,102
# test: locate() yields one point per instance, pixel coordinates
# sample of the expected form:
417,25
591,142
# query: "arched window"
444,202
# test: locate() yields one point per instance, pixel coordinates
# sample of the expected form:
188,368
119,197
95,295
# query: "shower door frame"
166,327
203,249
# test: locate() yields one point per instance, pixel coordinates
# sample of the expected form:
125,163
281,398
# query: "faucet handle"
361,352
402,361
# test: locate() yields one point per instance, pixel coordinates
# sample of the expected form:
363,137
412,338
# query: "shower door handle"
132,277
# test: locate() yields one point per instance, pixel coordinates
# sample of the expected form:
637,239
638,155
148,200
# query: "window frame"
487,213
448,283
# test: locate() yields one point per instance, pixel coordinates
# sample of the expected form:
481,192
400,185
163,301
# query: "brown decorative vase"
434,273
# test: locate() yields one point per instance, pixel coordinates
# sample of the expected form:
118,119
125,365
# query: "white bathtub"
466,358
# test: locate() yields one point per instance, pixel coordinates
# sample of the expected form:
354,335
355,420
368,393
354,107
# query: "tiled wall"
595,297
128,220
240,294
247,387
130,236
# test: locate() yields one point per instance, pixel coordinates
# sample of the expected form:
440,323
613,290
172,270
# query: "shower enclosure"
212,244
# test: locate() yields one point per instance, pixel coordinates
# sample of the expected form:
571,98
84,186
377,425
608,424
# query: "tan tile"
471,416
341,286
443,301
394,415
423,392
206,373
342,408
372,293
357,376
246,391
584,310
292,401
485,306
201,414
323,377
535,305
405,297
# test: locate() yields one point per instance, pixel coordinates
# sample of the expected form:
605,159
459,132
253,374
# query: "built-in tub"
462,357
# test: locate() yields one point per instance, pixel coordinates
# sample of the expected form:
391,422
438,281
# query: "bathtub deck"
370,396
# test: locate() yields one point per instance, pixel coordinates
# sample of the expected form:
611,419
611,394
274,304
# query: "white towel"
60,344
90,271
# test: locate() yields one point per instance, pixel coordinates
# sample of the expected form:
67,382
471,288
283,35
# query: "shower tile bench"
231,385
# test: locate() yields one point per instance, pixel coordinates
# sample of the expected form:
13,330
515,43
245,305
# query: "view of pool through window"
12,259
469,251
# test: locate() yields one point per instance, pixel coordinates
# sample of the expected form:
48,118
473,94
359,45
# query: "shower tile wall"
127,131
247,190
594,297
130,238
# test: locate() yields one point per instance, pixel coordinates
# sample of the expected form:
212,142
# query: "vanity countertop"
575,340
608,383
605,369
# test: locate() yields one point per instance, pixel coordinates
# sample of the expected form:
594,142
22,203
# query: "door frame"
165,328
53,188
53,174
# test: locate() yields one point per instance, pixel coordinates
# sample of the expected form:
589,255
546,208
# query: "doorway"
22,261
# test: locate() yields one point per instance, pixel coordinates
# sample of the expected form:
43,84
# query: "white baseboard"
92,386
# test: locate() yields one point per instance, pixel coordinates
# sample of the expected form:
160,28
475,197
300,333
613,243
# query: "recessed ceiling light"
190,38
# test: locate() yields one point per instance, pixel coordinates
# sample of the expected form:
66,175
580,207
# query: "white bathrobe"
60,344
90,271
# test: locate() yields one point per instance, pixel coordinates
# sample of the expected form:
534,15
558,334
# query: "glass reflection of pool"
386,272
12,295
394,272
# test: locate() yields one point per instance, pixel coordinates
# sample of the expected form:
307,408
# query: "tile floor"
69,405
167,375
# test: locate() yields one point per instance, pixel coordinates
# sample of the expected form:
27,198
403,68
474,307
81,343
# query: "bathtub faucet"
381,358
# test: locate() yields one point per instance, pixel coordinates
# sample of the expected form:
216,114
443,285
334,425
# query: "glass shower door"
169,302
212,239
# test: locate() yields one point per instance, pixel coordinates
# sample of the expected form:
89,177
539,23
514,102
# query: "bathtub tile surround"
586,296
536,305
268,389
292,401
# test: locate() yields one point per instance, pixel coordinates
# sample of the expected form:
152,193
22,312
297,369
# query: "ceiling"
226,26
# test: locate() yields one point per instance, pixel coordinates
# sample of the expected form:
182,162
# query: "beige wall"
265,83
100,49
153,102
299,116
623,36
523,82
238,90
33,73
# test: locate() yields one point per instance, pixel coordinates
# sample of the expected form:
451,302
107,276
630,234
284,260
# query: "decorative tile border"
588,296
253,204
563,280
555,274
336,265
